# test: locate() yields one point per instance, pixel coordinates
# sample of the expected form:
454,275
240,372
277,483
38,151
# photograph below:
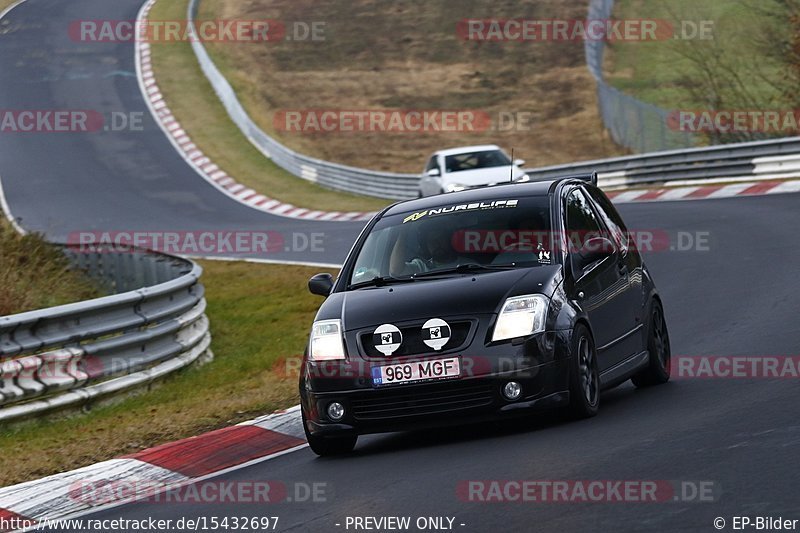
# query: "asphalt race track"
738,297
742,435
58,183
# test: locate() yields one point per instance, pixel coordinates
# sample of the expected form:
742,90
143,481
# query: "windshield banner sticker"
475,206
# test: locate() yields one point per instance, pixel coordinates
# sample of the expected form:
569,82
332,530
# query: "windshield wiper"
379,281
465,268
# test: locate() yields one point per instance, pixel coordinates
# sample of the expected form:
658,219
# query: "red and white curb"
168,466
182,142
700,192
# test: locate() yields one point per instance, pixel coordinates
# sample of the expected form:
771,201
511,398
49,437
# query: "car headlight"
326,341
455,187
521,316
523,179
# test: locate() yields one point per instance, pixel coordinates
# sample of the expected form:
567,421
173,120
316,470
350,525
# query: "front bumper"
471,398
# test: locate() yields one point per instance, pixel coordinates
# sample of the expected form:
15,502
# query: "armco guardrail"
776,158
331,175
773,159
72,354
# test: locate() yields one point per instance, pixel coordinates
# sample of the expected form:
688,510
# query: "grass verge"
258,314
194,103
409,56
35,274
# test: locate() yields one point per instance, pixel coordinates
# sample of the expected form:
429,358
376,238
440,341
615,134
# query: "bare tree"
745,67
779,39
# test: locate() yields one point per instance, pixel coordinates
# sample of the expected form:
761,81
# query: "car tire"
659,359
584,378
329,446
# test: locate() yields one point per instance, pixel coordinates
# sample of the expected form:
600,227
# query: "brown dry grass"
34,274
380,54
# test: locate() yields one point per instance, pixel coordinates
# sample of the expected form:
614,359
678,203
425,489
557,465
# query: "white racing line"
6,209
3,202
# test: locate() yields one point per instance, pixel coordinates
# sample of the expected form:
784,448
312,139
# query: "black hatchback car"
481,304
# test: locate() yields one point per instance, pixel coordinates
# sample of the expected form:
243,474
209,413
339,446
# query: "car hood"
482,176
467,294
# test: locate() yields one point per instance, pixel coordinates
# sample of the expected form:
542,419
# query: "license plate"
416,371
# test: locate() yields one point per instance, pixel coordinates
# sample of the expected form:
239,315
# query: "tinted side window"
611,218
581,223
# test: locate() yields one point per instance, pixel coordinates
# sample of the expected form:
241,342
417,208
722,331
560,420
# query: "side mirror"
519,162
595,249
433,172
321,284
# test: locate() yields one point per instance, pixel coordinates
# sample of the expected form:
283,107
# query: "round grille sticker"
435,333
387,339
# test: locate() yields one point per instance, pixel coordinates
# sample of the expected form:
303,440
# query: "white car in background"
467,167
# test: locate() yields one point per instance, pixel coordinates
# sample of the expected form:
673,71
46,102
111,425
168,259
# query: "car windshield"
475,160
455,238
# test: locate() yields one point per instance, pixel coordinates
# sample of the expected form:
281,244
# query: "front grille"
422,400
412,340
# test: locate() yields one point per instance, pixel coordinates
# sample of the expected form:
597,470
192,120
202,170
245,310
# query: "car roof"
467,149
504,191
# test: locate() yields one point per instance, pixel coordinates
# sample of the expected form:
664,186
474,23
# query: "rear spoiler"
589,178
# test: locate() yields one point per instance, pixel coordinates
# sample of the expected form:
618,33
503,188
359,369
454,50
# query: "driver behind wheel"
434,251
